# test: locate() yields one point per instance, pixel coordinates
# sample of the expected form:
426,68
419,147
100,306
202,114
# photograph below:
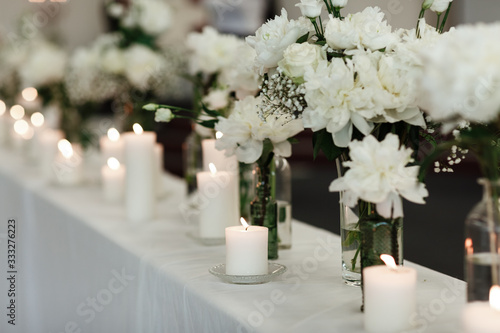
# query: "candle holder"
275,270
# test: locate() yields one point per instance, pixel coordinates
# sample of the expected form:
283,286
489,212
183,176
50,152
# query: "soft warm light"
17,112
37,119
21,127
244,223
213,169
29,133
495,297
113,134
468,246
3,107
65,148
219,134
113,163
137,129
29,94
389,261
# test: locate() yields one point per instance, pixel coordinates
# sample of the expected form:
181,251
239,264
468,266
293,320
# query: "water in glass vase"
351,256
479,267
284,224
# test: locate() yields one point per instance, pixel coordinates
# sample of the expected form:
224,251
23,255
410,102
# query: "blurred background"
433,234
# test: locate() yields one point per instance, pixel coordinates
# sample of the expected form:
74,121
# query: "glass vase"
283,195
263,207
482,229
192,159
364,236
246,189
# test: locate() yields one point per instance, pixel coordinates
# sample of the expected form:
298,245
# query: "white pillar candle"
158,161
48,150
389,297
140,188
22,132
37,122
246,250
483,317
219,203
113,180
68,165
217,157
111,145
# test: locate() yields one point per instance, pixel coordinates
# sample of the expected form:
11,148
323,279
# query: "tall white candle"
140,188
113,180
483,317
217,157
111,145
68,165
219,204
48,150
158,160
246,250
389,297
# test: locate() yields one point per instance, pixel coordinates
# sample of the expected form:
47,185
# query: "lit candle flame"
495,297
137,129
244,223
29,94
65,148
37,119
21,127
113,134
3,107
213,169
468,246
219,134
17,112
389,261
113,163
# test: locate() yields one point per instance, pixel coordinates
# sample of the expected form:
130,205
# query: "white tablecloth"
81,267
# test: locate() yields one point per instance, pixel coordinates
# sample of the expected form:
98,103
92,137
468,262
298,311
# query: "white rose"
164,115
297,57
339,3
112,61
142,64
440,6
272,38
311,8
217,99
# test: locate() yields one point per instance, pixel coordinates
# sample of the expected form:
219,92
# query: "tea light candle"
113,180
140,188
389,296
29,99
48,150
246,250
483,317
219,203
111,146
22,132
217,157
68,166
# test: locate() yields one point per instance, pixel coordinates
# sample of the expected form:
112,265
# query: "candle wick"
246,228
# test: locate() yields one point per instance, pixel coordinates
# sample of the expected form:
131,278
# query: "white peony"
311,8
364,30
210,51
142,66
244,132
272,38
461,75
164,115
298,57
44,64
378,173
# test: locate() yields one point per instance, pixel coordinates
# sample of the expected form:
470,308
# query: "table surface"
82,267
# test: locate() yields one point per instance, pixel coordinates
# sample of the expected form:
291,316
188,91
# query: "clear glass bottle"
482,245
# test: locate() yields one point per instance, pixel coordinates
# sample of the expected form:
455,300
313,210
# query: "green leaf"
323,141
211,113
303,38
208,123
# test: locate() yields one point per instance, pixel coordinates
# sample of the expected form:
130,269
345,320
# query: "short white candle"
389,297
219,203
246,250
113,180
140,188
483,317
217,157
111,145
48,140
68,165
